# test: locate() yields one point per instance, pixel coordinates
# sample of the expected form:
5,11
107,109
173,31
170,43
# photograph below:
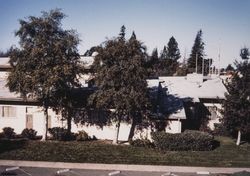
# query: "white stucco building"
20,114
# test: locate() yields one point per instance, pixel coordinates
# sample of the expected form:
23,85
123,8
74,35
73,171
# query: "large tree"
197,54
237,103
47,64
121,81
173,54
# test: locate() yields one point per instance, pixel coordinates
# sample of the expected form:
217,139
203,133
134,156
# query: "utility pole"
202,66
196,60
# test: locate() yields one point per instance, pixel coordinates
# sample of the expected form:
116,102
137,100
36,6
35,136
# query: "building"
181,99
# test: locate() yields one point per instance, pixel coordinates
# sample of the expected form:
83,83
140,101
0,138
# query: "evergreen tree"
153,63
47,63
173,51
244,53
229,67
133,36
122,33
121,82
237,103
173,54
164,53
197,53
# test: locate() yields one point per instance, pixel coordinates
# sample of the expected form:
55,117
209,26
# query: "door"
29,121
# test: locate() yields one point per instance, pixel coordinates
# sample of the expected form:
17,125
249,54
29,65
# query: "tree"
153,63
47,64
229,67
121,81
237,103
173,51
5,53
173,54
244,53
197,53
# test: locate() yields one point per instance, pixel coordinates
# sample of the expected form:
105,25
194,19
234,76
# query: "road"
33,171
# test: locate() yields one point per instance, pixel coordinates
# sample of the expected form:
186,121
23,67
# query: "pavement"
37,168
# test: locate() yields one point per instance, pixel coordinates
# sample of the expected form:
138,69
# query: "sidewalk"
121,167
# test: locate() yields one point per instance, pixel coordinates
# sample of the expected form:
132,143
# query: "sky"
225,23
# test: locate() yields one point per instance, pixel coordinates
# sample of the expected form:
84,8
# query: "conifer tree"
197,54
153,63
237,103
173,54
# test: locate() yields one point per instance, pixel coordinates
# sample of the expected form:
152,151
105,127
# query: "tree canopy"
121,78
197,52
47,64
237,103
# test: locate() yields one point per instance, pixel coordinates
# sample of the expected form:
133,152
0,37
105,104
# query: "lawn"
227,155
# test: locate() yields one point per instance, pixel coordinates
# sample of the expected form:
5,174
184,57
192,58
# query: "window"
8,111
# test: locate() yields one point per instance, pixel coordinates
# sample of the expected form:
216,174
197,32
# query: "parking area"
38,171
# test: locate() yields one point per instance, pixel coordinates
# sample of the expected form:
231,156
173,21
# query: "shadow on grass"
12,144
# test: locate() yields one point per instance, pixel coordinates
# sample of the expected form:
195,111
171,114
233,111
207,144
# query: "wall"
107,132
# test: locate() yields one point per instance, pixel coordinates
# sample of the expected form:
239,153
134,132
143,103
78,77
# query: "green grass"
227,155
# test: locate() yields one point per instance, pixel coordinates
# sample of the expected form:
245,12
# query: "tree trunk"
239,137
69,119
45,131
132,130
115,141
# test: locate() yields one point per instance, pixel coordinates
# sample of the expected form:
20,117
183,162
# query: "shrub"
8,133
29,134
82,136
242,173
141,143
11,144
188,140
220,130
61,134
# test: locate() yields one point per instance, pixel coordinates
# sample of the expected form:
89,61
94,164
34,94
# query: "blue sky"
225,23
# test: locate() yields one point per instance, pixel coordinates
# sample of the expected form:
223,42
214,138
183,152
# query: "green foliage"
220,130
121,79
47,63
11,144
197,50
141,143
244,53
237,103
168,62
82,136
8,133
188,140
29,133
61,134
229,68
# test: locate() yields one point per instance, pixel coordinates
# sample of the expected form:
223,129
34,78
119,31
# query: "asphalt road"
32,171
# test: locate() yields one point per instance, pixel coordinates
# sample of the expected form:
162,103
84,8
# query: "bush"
141,143
188,140
82,136
11,144
220,130
243,173
61,134
8,133
29,134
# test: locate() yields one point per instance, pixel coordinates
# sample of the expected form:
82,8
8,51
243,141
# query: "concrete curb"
120,167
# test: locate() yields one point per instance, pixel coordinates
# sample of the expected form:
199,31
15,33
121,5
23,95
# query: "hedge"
188,140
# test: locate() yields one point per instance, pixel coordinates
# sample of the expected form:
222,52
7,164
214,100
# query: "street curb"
121,167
